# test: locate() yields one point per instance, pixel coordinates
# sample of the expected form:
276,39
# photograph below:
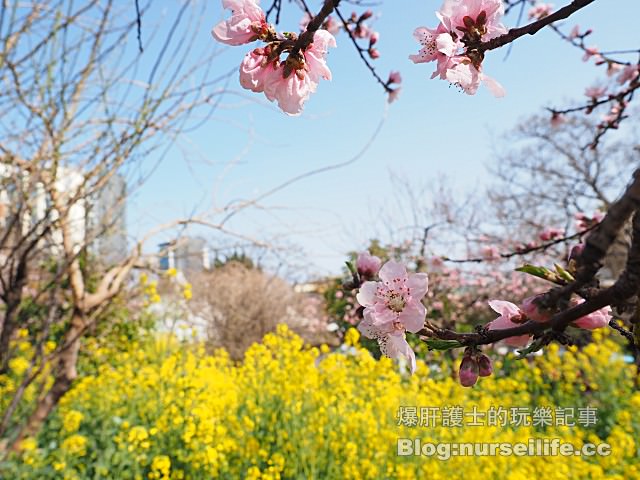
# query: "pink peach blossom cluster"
464,24
289,82
393,306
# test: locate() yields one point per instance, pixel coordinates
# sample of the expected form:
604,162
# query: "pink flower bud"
485,368
576,251
374,53
368,265
373,38
367,14
469,370
598,319
550,234
533,311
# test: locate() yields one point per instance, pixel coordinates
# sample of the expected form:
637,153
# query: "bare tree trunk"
64,374
7,328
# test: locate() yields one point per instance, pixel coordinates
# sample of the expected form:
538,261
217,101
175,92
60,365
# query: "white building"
98,222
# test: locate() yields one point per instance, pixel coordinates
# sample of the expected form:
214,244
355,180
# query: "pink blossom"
468,77
550,234
437,44
391,339
304,22
462,22
395,300
510,314
373,38
478,19
595,92
254,70
394,77
374,53
540,10
331,25
292,92
583,221
629,73
590,52
533,311
613,68
436,262
368,265
613,117
490,252
246,24
598,319
575,32
362,30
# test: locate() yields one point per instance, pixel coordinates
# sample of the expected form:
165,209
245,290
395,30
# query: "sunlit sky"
432,130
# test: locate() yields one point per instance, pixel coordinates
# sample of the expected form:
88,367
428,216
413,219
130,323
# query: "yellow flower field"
168,410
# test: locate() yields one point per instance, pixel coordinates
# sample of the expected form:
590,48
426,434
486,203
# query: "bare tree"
79,105
546,176
240,304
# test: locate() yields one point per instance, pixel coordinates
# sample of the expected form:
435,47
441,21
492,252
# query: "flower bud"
485,368
468,373
368,265
576,251
533,311
367,14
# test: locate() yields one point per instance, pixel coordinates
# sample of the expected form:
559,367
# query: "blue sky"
432,129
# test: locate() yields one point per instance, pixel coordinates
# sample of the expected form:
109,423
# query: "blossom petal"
504,308
413,315
392,270
396,346
419,285
494,87
367,294
598,319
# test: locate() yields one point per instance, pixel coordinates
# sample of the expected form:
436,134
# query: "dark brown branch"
306,38
361,52
522,251
139,26
534,27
